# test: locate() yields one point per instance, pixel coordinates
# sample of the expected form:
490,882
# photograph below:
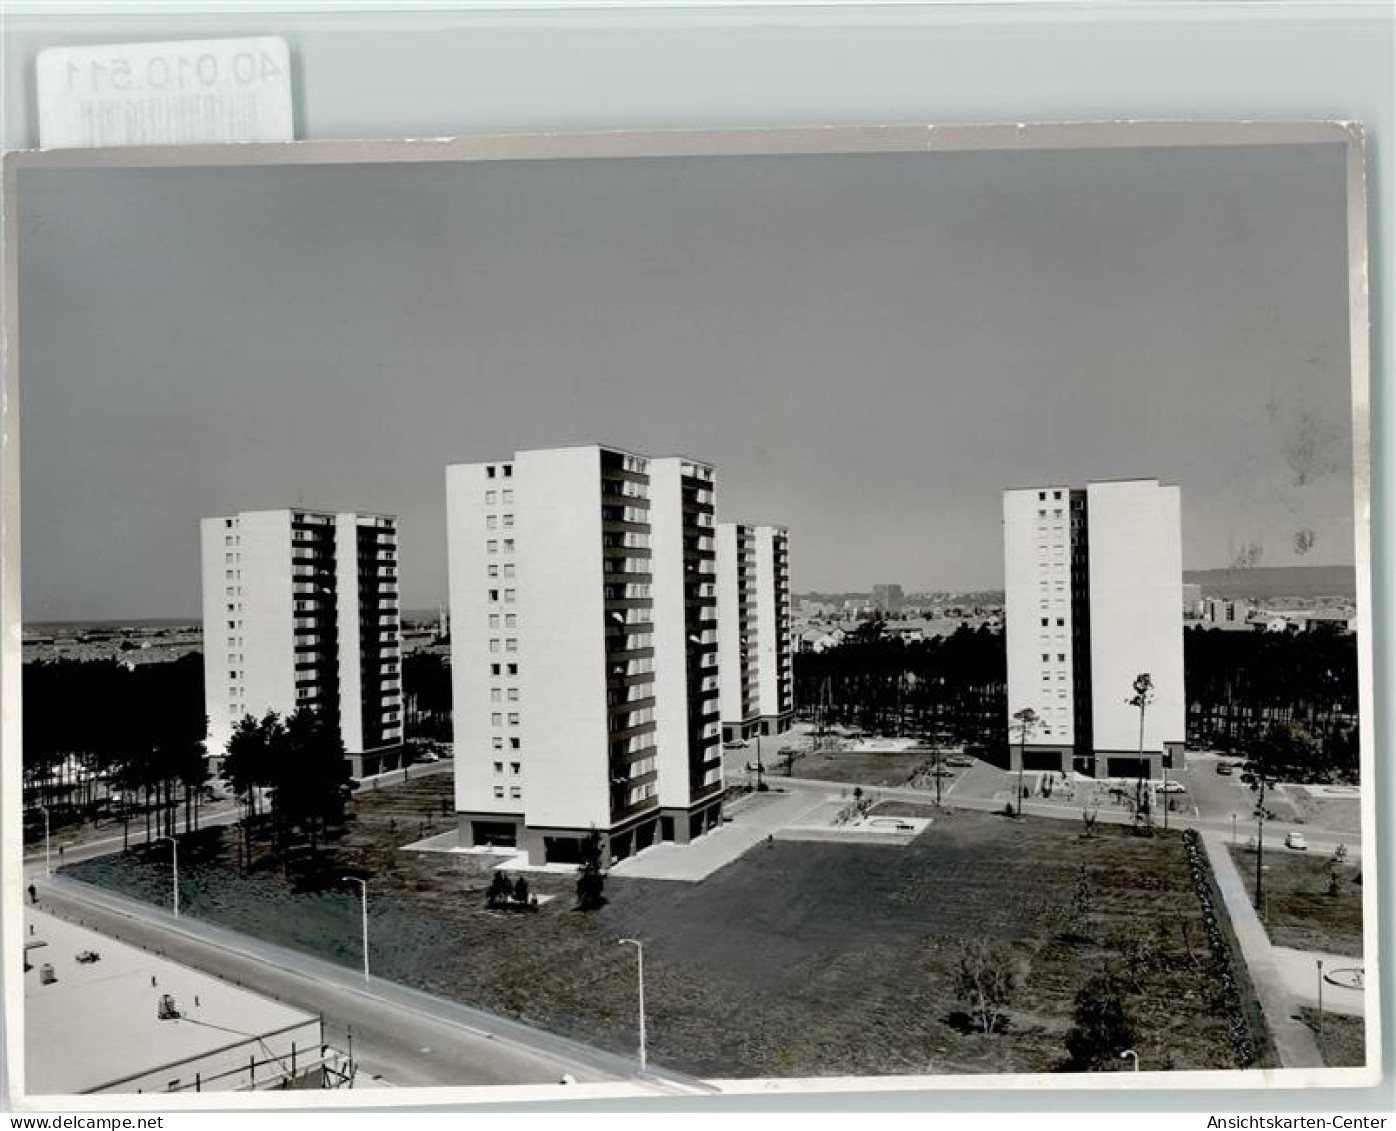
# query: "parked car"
1224,768
1297,842
1173,787
429,756
735,745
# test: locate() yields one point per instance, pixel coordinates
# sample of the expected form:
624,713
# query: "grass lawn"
904,809
1301,912
1343,1042
892,768
799,959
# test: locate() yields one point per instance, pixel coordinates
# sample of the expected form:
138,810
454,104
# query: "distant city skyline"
869,349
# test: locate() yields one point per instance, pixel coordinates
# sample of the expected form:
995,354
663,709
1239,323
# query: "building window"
513,695
508,496
498,743
508,521
497,719
495,695
508,569
508,596
493,570
494,595
1045,657
494,645
494,669
508,545
491,547
513,767
494,620
508,471
489,472
513,718
511,620
499,767
515,743
491,497
512,669
515,791
1044,622
499,791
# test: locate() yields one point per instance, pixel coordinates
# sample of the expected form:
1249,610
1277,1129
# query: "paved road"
405,1037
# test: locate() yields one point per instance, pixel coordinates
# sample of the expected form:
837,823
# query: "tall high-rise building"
584,660
1092,586
301,610
889,598
754,640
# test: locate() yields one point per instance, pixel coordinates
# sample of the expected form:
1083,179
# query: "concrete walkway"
1294,1041
1300,972
754,818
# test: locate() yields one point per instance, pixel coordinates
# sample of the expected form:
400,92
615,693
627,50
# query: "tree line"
102,736
106,739
1294,693
953,685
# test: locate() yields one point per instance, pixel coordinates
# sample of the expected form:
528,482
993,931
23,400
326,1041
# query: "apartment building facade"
584,663
301,611
1093,596
754,633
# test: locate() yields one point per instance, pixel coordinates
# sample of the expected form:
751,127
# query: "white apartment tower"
301,610
753,564
1093,584
584,659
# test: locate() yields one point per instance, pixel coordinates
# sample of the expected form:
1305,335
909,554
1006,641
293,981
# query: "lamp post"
363,916
48,868
640,969
174,878
1319,963
1131,1054
1259,843
1233,828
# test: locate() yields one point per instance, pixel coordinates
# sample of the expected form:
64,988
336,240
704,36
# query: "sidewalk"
751,823
1294,1041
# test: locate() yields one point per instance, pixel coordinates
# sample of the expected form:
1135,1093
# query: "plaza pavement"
753,819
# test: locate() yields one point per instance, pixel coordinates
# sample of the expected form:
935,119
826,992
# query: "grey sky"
870,348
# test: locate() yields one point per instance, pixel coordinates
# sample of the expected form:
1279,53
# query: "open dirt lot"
799,959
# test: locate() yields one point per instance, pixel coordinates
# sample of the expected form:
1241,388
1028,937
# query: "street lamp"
363,915
174,879
48,868
1131,1054
640,967
1319,962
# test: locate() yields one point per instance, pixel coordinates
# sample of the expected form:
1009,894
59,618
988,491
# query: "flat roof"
97,1022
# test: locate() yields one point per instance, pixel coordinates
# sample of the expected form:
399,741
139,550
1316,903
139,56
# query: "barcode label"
209,90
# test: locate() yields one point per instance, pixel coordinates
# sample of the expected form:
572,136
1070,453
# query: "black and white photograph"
678,614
